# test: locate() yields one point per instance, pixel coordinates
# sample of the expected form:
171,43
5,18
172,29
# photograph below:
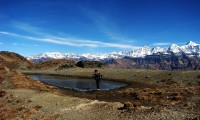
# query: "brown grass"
175,78
21,81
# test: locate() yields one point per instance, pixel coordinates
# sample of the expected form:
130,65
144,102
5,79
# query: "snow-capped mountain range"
190,49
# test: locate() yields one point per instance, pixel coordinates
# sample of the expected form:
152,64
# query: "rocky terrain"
157,62
14,60
150,95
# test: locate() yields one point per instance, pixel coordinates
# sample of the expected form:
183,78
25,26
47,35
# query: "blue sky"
96,26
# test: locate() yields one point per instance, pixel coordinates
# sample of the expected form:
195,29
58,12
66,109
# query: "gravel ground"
49,105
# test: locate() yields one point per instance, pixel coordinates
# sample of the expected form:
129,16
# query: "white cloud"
72,41
27,45
101,22
161,44
56,41
8,33
27,28
16,44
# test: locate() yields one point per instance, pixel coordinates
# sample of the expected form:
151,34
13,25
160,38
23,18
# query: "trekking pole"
90,83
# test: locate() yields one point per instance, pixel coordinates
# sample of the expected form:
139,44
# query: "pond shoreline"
77,76
130,83
77,83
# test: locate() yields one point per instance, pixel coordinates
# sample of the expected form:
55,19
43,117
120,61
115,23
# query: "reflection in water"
77,84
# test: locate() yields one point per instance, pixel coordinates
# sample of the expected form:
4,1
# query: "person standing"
97,78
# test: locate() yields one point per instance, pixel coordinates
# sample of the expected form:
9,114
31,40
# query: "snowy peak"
53,55
190,43
190,49
159,50
174,48
142,52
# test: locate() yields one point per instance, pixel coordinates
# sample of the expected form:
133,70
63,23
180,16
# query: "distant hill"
15,61
57,64
90,64
60,64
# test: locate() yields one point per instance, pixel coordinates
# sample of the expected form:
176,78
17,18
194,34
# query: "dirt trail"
62,106
45,105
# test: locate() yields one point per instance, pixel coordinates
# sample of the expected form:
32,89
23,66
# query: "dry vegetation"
175,78
57,64
148,91
21,81
151,94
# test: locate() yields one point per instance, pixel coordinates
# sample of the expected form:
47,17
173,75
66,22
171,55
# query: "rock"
190,105
21,108
147,76
131,105
127,105
37,107
2,93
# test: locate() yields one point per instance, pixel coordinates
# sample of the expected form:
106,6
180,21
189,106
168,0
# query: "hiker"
97,77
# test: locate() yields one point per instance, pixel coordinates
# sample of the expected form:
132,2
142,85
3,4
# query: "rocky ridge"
186,57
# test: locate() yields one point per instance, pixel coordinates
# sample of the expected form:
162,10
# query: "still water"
77,84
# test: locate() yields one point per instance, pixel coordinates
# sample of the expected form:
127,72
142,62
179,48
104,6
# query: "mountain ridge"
191,49
14,60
